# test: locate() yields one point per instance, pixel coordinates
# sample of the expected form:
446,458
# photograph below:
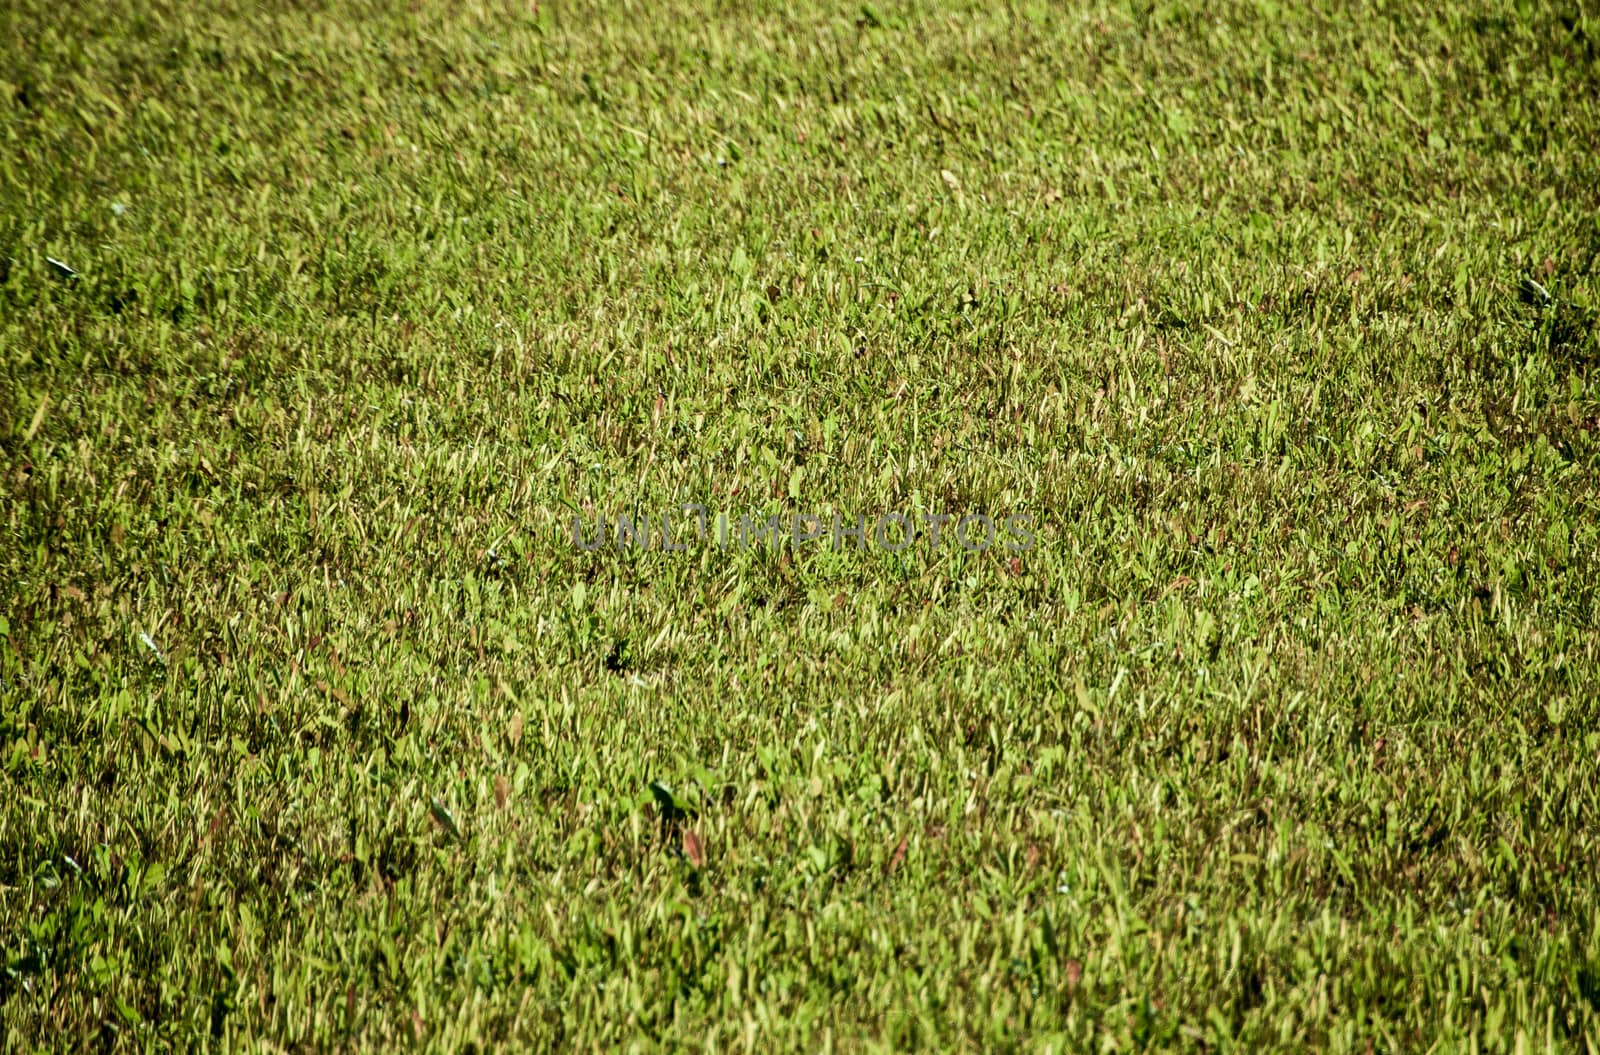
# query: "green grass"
318,732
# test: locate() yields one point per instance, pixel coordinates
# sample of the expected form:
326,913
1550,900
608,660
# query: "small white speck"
151,645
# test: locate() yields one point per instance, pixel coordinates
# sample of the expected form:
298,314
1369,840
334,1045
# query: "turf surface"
321,322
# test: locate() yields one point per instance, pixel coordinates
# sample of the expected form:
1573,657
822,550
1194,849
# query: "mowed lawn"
322,322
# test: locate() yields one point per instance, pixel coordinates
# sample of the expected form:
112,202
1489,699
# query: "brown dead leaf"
1177,584
694,849
502,791
899,855
217,821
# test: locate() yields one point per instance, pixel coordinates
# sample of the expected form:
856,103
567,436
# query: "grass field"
321,323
